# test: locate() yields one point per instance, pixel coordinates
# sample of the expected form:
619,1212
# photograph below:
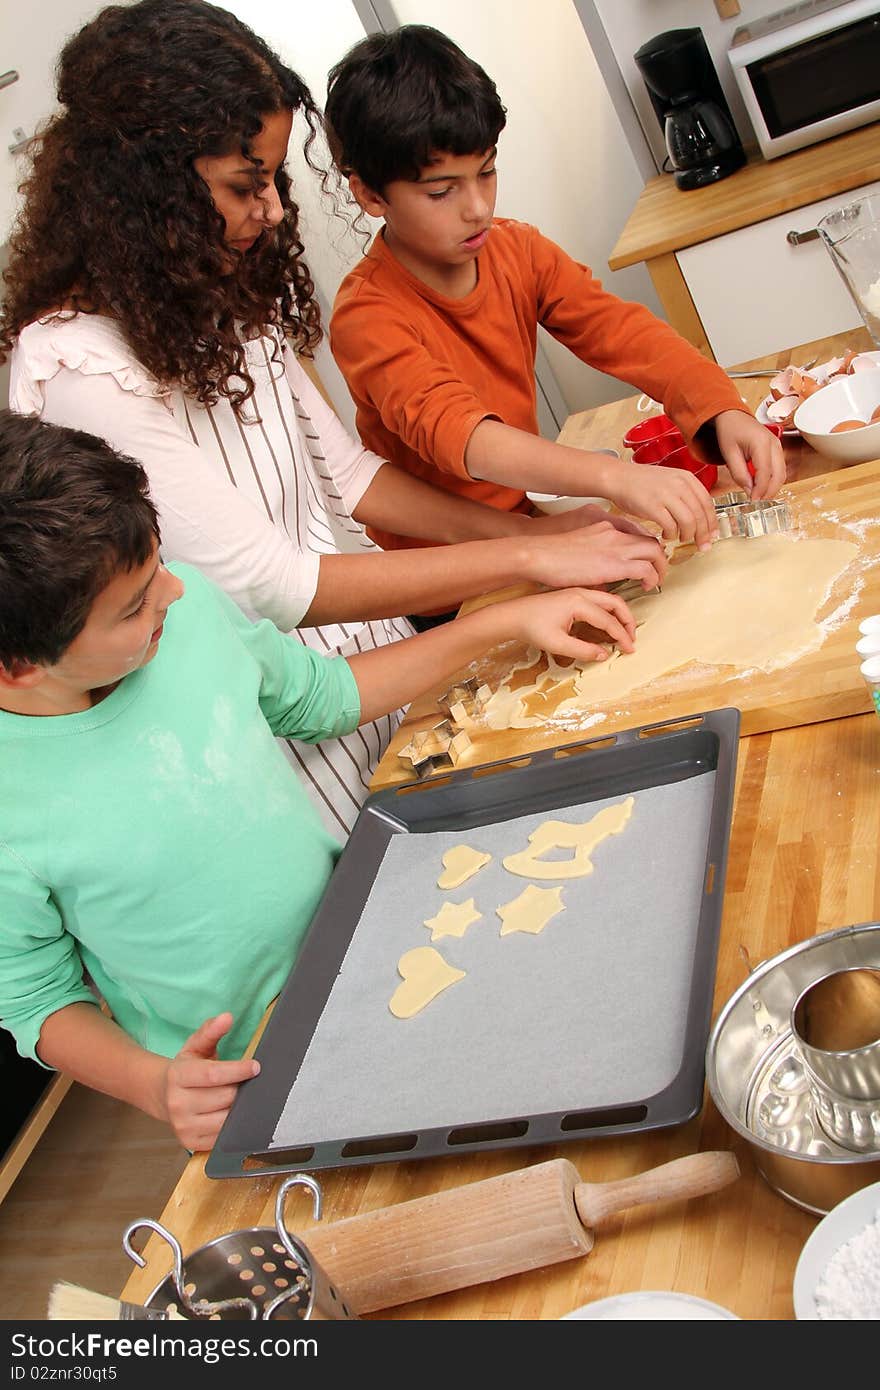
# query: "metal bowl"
758,1082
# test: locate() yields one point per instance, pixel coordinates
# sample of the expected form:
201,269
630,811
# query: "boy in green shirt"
157,850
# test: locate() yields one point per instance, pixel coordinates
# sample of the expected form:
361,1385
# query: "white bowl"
550,502
553,502
843,1222
853,397
654,1305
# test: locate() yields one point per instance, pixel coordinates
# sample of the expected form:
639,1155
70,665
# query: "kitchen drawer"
755,293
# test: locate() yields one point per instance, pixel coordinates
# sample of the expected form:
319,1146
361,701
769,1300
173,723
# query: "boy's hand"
741,440
199,1088
546,621
671,497
597,554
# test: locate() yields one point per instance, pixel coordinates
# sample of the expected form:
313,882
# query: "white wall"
31,37
631,23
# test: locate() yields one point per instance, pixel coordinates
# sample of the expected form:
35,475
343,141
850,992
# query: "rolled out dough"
460,864
745,603
558,834
425,974
531,911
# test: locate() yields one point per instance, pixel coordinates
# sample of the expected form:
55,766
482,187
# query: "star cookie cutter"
436,749
464,699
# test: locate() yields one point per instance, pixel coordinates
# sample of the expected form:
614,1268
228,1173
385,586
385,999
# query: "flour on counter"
849,1287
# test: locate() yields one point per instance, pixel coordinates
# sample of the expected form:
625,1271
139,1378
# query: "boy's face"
121,633
439,222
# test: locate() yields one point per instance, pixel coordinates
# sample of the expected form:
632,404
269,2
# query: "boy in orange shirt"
435,329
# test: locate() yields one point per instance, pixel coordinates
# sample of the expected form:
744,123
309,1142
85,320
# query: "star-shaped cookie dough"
453,919
531,911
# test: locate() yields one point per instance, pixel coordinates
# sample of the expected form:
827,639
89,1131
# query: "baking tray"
598,1026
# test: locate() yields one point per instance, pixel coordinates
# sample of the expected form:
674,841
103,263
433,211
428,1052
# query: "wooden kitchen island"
804,858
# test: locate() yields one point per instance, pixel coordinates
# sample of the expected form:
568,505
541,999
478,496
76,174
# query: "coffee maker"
701,139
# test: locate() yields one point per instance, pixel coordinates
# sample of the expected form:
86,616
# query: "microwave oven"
809,72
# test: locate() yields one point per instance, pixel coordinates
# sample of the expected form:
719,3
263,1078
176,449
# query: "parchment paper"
591,1012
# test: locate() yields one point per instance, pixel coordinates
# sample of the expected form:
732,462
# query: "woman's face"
244,194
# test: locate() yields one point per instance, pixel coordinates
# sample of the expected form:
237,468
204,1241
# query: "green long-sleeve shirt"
161,839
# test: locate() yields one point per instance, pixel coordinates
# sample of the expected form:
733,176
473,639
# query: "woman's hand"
546,621
597,554
200,1089
671,497
742,440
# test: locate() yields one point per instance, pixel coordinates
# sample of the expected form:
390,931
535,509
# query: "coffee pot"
701,140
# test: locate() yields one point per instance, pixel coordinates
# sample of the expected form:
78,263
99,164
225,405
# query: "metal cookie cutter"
737,516
630,589
465,698
261,1273
435,749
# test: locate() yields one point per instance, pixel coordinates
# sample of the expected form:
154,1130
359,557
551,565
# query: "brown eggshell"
847,425
808,386
781,412
780,385
875,414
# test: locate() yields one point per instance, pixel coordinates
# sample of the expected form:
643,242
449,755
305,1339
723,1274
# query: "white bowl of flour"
838,1273
649,1305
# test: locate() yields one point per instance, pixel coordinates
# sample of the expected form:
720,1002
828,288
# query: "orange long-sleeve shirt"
425,369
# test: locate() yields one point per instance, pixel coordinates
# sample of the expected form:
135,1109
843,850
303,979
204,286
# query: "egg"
847,425
875,415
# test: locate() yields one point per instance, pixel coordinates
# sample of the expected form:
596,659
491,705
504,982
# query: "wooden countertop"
666,218
604,426
804,858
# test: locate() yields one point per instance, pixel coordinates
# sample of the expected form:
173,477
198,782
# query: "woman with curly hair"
157,295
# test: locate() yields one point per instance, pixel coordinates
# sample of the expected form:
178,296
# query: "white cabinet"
757,293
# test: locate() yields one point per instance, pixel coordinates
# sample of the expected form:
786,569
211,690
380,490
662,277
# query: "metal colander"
264,1272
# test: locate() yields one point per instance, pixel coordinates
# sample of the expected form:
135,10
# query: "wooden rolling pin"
489,1229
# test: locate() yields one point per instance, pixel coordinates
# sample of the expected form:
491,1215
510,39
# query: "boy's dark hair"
396,100
73,512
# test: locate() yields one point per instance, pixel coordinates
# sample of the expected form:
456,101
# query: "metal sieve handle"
201,1309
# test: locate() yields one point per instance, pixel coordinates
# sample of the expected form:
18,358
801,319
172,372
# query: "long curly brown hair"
116,220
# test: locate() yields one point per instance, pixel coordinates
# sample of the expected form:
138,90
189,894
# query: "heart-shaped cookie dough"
425,974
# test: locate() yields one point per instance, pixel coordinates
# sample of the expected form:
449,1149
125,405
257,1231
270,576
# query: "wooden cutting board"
823,684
